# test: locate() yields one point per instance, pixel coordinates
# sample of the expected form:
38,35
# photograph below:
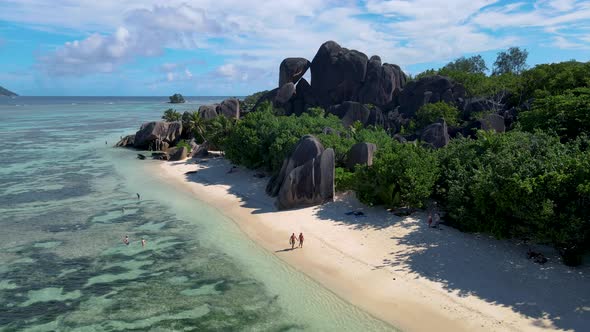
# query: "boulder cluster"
353,87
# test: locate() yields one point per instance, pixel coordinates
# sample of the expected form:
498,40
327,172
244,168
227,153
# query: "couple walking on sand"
293,238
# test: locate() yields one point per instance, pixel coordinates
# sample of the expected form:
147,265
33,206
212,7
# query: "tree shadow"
498,272
240,182
339,211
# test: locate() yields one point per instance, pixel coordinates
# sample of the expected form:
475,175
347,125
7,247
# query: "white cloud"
252,37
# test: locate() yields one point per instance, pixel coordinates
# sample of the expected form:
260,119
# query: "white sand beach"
399,270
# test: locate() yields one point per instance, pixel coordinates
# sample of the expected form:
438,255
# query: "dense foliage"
262,140
430,113
401,175
171,115
519,185
512,61
532,182
250,101
567,114
176,98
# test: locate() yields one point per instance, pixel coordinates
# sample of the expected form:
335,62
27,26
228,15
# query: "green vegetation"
262,140
512,61
566,114
532,182
176,98
525,185
171,115
183,143
401,175
430,113
249,102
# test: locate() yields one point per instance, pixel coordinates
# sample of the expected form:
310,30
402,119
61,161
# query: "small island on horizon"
7,93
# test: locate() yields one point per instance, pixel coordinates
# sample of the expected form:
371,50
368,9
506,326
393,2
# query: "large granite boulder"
292,69
126,141
285,93
309,184
208,112
436,135
304,98
351,111
337,74
360,154
269,96
426,90
229,108
178,154
380,82
308,148
199,151
168,132
493,122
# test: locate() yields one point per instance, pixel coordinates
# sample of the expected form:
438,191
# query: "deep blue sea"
67,199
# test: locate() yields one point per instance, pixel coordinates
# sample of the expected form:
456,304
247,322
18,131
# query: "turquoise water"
67,199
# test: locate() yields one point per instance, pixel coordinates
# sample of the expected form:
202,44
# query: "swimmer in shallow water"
126,240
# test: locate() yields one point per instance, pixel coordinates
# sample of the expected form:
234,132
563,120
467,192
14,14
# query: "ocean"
68,198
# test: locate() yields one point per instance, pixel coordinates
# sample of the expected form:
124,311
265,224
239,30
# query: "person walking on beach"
292,241
300,240
429,220
138,197
143,242
126,240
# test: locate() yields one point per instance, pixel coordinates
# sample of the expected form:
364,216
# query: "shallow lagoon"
63,265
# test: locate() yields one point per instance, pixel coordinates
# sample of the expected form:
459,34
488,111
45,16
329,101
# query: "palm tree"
171,115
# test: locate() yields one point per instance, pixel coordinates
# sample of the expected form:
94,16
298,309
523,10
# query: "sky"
234,47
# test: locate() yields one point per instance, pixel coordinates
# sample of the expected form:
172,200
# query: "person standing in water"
126,240
292,241
143,241
300,240
138,197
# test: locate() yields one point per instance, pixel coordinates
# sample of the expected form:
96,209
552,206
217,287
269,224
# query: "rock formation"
285,93
350,112
381,82
436,135
309,184
126,141
337,74
307,148
493,122
292,69
229,108
208,112
360,154
150,132
178,154
426,90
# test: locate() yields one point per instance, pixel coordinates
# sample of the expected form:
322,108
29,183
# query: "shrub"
526,185
171,115
402,175
430,113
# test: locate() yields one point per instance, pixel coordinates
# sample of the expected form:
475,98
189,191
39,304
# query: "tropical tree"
474,65
171,115
512,61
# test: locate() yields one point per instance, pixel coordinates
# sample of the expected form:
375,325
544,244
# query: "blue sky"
234,47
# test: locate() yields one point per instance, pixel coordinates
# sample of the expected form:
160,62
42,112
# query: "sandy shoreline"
397,269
